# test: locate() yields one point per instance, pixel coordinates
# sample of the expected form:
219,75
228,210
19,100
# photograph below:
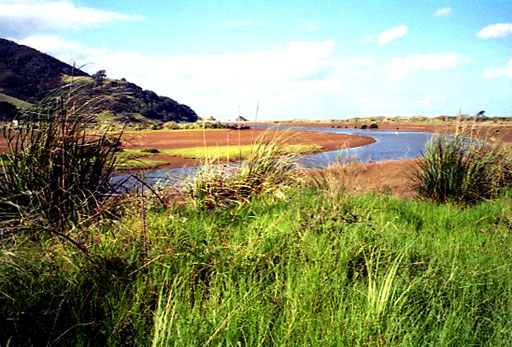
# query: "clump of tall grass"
267,168
461,170
55,171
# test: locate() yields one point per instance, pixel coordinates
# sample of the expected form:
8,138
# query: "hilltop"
28,76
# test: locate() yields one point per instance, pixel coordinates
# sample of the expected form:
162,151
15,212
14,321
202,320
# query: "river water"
389,145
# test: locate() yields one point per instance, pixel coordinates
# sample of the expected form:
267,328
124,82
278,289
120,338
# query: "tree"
99,76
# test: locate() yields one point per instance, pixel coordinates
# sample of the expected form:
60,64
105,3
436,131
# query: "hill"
28,75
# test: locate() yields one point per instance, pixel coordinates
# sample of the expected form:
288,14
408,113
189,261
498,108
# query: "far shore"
500,132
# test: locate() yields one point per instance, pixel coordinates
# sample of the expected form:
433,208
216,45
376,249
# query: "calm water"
389,145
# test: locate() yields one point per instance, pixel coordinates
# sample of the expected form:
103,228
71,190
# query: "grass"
77,80
267,168
54,173
303,268
131,158
16,102
233,152
462,170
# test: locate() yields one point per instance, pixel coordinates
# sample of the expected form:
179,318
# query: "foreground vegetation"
302,267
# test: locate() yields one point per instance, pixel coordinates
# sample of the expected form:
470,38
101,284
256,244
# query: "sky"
296,59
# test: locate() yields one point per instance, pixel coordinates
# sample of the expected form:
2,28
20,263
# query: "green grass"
137,158
129,159
76,79
54,175
260,255
16,102
462,170
306,267
232,152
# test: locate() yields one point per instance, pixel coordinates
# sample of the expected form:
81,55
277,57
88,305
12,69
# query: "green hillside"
28,76
16,102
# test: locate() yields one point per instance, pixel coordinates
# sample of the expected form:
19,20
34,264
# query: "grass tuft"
55,173
462,170
267,167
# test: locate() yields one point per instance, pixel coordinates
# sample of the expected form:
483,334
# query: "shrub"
461,170
171,125
56,172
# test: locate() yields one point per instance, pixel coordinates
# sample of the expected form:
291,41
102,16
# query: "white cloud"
64,50
442,12
300,79
392,34
401,67
432,101
23,17
494,72
282,80
499,30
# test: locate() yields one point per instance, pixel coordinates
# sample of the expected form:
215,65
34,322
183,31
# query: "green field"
307,267
138,158
258,254
232,152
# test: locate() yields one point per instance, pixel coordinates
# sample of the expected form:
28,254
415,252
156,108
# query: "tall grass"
267,167
55,172
367,270
462,170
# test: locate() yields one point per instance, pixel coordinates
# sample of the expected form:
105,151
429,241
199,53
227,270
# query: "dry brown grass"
358,178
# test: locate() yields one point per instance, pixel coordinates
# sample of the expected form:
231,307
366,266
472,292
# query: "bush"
461,170
56,172
171,125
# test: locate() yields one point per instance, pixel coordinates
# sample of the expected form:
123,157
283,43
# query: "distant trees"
99,76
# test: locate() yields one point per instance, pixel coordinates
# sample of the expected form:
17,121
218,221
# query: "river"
389,145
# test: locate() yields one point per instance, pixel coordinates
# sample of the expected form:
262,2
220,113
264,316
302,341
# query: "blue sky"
298,59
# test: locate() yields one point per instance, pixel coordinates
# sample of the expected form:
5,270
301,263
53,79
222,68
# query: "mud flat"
172,139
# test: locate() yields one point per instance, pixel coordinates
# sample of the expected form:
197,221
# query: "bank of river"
388,145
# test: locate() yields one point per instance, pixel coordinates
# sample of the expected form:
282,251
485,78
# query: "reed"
55,172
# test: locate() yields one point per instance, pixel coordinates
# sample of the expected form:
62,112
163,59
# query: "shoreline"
500,132
188,139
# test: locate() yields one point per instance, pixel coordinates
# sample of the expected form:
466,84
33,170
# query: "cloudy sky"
298,59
